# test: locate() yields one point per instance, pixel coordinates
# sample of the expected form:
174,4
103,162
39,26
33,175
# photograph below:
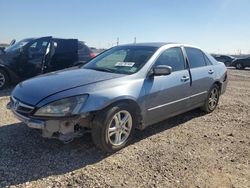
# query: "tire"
212,99
106,130
239,66
4,79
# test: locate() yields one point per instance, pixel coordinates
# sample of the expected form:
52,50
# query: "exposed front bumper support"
64,129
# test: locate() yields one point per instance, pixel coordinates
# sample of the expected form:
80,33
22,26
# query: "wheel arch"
5,69
131,102
12,75
219,84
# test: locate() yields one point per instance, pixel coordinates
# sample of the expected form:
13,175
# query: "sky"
217,26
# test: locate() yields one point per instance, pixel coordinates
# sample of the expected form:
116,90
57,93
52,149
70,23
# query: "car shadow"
26,156
168,124
6,91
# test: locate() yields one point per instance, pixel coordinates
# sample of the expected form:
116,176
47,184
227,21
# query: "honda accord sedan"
125,88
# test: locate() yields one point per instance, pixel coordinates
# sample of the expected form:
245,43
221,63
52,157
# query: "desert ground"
191,150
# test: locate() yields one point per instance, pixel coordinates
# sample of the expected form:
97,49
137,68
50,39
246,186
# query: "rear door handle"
184,78
210,71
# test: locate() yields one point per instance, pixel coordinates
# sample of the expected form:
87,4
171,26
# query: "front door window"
37,49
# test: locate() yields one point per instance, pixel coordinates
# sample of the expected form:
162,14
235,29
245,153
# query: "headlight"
64,107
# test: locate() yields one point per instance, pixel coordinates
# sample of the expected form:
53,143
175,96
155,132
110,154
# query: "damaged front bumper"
64,129
32,123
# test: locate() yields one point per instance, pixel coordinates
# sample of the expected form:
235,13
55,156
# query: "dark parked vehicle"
241,63
226,59
2,50
84,53
33,56
125,88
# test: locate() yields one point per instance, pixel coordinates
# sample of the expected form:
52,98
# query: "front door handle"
210,71
184,78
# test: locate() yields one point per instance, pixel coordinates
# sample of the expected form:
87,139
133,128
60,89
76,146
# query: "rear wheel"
212,99
113,128
4,79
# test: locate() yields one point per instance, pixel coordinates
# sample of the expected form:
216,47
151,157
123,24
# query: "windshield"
122,59
17,45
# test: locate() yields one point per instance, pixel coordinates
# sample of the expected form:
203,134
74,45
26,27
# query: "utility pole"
117,41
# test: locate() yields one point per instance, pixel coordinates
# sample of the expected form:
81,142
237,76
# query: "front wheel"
113,128
212,99
4,79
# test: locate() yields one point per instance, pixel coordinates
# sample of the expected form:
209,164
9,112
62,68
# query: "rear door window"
195,57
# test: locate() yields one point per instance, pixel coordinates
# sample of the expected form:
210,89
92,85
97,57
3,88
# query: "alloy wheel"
238,66
119,128
213,98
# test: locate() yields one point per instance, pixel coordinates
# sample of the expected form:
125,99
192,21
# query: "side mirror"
13,42
161,70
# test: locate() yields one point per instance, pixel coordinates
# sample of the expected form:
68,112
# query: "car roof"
31,38
160,44
150,44
54,38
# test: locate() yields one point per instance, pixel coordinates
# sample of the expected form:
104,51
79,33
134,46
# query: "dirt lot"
191,150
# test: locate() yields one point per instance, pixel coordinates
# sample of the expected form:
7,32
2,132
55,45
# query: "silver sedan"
125,88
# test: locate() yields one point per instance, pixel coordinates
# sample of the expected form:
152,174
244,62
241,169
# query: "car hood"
36,89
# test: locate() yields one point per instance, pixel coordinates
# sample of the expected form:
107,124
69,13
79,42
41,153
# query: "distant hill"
3,45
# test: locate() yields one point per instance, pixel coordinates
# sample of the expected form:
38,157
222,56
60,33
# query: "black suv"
241,63
226,59
33,56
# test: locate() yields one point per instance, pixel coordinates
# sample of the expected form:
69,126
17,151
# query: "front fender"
96,103
12,75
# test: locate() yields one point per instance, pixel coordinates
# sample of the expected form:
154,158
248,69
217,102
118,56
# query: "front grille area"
20,107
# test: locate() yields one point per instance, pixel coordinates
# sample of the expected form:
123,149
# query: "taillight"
92,55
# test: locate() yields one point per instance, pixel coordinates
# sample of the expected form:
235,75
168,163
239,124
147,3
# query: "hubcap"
213,98
238,66
2,80
119,128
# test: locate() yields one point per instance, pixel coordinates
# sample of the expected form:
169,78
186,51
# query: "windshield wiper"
102,69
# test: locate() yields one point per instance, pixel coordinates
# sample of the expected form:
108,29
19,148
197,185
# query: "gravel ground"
190,150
